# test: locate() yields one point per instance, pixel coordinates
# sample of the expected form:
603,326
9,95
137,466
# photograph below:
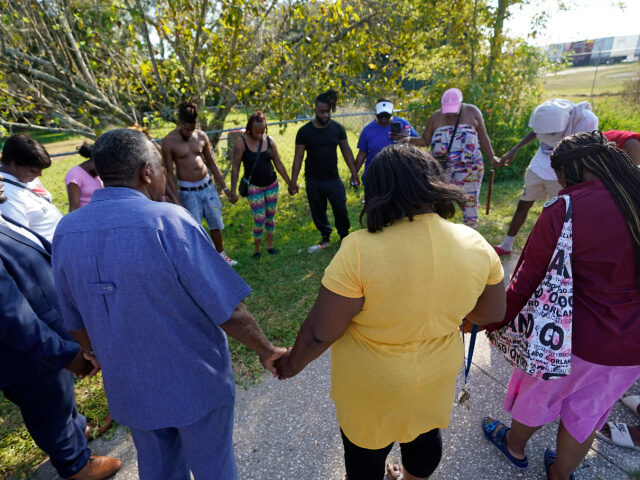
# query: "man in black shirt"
320,138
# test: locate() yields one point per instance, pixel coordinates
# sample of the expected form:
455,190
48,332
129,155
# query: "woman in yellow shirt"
390,304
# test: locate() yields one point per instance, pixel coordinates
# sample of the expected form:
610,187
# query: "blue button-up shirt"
145,281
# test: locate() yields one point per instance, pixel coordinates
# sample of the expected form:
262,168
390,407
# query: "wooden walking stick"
491,175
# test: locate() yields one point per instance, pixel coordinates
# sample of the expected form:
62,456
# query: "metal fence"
354,121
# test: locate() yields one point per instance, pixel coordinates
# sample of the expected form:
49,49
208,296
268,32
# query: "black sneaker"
257,255
272,251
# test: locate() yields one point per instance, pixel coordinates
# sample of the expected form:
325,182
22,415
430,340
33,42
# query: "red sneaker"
501,251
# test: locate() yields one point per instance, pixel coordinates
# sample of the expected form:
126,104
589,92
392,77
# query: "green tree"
83,66
462,44
64,65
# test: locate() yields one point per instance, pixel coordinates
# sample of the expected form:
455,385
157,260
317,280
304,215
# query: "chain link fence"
283,133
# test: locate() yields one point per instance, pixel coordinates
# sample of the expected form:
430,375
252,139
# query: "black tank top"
264,174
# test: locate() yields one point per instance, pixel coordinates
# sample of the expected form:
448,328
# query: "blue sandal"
498,440
549,458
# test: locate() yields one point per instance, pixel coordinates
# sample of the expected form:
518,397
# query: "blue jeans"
205,204
204,447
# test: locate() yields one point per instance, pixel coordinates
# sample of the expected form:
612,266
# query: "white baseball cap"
384,107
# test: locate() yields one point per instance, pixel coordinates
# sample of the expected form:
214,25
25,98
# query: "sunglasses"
383,115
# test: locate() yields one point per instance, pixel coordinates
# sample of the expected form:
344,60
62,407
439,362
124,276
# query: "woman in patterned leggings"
259,155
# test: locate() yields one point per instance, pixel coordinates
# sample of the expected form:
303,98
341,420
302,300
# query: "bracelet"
226,189
90,352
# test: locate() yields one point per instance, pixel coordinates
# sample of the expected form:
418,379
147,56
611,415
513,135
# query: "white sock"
507,243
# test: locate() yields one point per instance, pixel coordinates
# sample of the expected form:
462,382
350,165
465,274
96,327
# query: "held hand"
293,189
79,366
507,157
93,360
285,370
496,161
269,358
233,198
355,182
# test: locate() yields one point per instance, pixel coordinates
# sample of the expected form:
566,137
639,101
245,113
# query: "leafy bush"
616,114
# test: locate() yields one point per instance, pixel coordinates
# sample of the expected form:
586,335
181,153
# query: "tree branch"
152,57
86,133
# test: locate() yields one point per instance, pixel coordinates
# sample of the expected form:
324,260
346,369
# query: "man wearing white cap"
550,122
457,132
385,130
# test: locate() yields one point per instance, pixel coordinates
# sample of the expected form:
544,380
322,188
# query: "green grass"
47,137
575,83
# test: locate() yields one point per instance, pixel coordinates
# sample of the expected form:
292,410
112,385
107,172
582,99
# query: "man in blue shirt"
142,287
378,134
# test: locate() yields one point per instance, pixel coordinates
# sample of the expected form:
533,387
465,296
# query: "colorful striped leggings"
263,201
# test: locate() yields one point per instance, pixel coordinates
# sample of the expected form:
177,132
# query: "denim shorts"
205,204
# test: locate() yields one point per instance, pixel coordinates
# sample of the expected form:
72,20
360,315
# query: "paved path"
287,431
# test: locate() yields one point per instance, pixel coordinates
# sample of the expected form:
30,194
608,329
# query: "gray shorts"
205,204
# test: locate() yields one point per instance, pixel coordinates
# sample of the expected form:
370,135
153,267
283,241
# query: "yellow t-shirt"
394,369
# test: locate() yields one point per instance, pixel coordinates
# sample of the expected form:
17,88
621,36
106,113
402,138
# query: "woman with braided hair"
604,187
258,154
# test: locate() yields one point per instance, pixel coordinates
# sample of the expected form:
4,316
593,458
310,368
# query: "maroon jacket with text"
606,299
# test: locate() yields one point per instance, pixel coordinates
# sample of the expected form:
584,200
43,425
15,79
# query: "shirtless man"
190,150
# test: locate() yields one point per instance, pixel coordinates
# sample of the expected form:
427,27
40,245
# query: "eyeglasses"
383,115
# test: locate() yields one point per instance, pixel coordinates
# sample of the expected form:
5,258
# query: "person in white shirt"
550,122
28,202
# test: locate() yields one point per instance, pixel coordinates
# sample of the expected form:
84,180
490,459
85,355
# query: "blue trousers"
48,408
204,447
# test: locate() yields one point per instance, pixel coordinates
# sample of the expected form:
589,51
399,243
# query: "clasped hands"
293,188
83,364
279,364
232,196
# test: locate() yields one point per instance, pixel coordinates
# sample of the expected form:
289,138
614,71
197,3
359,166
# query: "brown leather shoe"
98,468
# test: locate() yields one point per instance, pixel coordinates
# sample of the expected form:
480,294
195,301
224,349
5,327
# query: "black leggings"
420,457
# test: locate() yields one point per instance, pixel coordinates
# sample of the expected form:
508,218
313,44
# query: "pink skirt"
582,400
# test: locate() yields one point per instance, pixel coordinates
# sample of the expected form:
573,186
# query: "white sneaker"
230,262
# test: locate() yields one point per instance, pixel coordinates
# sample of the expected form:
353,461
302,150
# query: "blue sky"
585,19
